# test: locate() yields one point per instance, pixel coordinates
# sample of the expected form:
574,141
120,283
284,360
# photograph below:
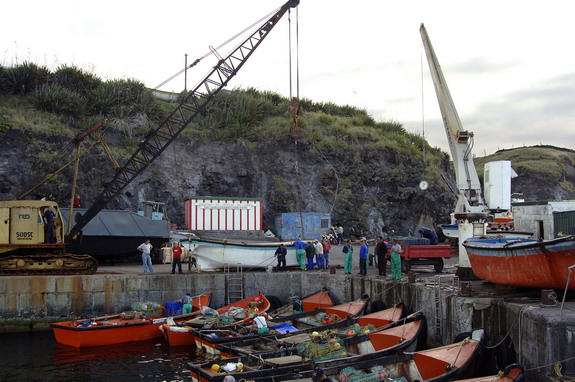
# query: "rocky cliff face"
367,191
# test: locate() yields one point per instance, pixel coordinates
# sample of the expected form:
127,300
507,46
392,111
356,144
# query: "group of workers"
316,252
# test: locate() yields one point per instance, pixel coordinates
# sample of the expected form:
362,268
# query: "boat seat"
287,360
298,338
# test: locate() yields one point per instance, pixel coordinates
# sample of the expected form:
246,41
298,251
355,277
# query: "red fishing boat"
513,261
333,313
115,329
383,317
182,333
512,373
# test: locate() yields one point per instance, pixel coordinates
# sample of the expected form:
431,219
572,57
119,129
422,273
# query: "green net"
225,320
323,319
356,329
148,309
323,351
377,373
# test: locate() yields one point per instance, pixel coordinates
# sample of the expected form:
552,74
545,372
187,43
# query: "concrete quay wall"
540,334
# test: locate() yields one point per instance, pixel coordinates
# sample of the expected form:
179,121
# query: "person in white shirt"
146,248
318,254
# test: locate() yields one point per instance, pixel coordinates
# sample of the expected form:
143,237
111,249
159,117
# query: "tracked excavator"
23,249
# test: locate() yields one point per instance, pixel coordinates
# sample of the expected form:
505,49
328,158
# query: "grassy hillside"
545,172
57,105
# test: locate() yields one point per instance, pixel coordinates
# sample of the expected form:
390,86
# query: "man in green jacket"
347,259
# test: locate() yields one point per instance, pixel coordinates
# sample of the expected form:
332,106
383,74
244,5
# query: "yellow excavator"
25,241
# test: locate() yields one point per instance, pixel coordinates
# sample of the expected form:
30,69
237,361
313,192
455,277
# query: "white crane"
470,210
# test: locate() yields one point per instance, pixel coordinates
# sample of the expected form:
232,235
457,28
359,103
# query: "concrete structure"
207,213
538,217
541,334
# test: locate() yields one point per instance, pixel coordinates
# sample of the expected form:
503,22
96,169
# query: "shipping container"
289,225
564,223
207,213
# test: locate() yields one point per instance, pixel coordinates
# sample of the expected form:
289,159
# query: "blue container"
172,308
289,225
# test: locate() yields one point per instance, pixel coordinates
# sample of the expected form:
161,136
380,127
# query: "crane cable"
213,50
294,109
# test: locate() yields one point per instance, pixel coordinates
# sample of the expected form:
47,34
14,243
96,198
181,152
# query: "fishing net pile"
323,319
322,351
377,373
356,329
143,309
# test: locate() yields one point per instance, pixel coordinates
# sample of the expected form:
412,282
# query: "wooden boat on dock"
325,353
512,373
182,333
117,328
215,253
511,261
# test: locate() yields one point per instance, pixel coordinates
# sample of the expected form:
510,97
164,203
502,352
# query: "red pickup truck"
424,255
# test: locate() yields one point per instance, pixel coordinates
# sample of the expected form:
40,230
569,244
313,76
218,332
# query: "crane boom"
460,141
159,138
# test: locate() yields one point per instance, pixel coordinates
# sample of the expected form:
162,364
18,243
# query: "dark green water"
37,357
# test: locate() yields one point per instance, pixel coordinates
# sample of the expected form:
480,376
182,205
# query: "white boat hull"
452,231
212,254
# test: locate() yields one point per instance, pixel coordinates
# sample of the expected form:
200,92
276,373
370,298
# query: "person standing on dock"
319,254
310,254
348,257
396,252
363,255
339,234
380,253
326,248
146,248
300,252
177,258
281,253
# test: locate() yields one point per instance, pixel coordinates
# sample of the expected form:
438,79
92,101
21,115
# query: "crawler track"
48,264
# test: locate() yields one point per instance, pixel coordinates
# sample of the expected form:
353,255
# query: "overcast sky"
510,65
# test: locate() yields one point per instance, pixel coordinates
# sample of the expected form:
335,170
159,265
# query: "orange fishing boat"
512,373
333,313
115,329
383,317
512,261
182,333
318,300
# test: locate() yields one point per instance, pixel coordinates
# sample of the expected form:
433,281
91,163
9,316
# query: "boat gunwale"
515,245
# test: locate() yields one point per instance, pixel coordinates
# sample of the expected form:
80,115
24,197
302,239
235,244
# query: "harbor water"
36,356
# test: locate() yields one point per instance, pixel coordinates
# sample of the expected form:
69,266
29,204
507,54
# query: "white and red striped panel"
223,214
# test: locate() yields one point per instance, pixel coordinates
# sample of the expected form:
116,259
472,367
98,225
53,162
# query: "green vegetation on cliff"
358,165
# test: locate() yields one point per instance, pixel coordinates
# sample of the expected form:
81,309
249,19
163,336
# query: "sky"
509,65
